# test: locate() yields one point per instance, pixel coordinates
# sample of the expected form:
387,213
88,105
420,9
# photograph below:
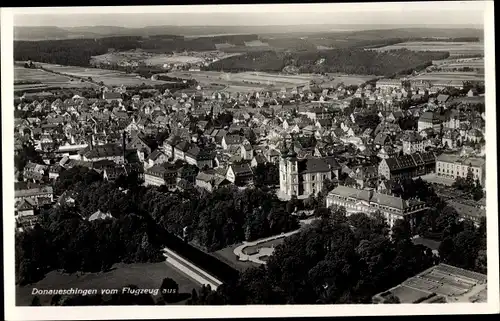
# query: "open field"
348,79
245,81
447,76
157,59
256,43
433,245
45,79
242,89
164,59
143,275
479,63
454,48
108,77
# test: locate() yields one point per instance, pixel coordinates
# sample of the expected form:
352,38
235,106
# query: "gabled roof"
34,191
428,116
381,138
241,169
26,204
410,136
260,159
409,161
443,98
233,139
313,165
112,95
106,150
183,146
100,216
155,155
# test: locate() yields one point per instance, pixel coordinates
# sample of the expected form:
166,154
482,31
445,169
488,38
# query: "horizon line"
424,26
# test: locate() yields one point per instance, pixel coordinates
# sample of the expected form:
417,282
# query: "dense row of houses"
179,140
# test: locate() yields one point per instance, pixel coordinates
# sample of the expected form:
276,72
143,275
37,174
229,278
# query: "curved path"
238,251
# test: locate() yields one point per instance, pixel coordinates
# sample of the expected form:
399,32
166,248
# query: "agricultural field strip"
441,46
46,79
150,58
244,78
438,77
107,76
21,74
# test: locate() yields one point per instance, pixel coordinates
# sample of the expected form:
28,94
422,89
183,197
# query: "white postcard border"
177,312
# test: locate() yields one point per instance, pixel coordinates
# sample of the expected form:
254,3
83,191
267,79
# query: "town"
234,178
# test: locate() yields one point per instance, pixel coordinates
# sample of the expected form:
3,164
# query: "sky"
426,13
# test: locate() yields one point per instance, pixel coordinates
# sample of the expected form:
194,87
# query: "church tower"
284,169
289,179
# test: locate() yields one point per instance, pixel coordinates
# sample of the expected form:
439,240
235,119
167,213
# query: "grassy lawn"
432,244
227,256
143,275
255,248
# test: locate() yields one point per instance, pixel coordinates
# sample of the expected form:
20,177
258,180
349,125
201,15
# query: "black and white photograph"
161,159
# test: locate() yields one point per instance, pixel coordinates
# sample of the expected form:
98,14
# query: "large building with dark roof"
368,201
407,166
304,176
112,152
429,119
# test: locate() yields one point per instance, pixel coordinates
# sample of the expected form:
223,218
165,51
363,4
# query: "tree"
194,297
250,135
356,103
322,212
461,249
477,191
401,231
481,262
447,220
266,175
25,155
35,301
56,300
169,290
69,178
311,202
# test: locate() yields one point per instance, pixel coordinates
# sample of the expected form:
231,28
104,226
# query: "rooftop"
374,197
107,150
313,165
34,191
456,159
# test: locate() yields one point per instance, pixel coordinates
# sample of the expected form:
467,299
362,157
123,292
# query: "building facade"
368,201
160,175
302,177
429,120
453,166
413,142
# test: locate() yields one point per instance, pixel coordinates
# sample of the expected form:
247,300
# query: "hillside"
100,30
356,31
350,61
40,32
